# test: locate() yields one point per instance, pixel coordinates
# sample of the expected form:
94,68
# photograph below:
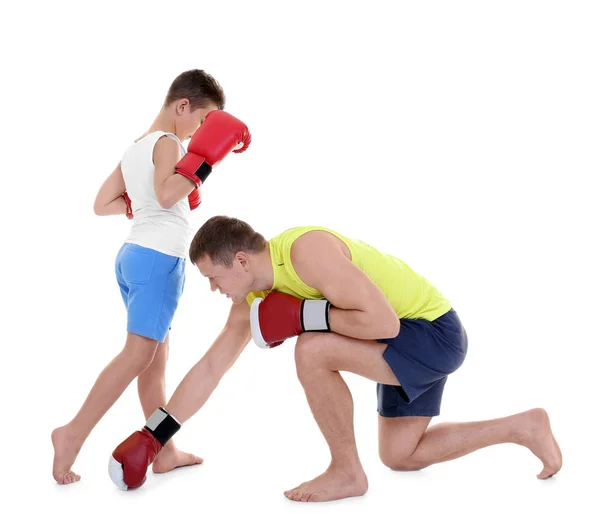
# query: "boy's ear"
181,105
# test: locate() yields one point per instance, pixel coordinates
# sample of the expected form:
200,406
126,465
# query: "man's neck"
264,278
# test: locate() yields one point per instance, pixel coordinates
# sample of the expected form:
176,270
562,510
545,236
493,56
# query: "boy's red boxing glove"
128,211
215,138
194,198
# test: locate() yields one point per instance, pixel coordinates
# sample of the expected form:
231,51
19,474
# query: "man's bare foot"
334,483
537,436
170,457
66,448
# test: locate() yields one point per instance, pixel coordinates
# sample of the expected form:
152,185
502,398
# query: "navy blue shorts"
422,356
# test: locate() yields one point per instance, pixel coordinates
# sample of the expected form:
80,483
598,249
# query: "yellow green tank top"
410,294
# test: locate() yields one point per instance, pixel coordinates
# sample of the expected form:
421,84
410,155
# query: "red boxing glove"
194,198
128,211
130,460
215,138
281,316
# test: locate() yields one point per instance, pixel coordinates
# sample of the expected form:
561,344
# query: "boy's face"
235,281
189,121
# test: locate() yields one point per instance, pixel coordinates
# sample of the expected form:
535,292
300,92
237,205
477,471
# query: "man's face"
235,281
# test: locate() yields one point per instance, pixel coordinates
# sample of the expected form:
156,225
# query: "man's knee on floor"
397,459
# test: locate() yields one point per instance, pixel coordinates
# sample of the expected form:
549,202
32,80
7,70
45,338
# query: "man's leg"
152,392
135,357
319,358
405,443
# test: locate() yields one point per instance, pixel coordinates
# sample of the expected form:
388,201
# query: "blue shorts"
422,356
151,284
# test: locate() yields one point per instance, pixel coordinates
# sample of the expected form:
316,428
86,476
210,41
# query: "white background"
460,136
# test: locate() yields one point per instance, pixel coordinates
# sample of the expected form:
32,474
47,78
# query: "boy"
156,184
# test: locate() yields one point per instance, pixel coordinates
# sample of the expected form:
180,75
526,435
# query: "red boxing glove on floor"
281,316
130,460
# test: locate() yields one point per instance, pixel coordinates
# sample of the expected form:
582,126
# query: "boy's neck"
164,121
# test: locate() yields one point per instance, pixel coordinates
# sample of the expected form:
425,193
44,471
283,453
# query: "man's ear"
243,259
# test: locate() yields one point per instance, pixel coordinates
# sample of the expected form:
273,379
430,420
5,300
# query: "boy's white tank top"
164,230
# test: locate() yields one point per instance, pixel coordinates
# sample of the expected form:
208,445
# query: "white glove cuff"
315,315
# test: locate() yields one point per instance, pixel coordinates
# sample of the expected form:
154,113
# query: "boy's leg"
152,392
135,357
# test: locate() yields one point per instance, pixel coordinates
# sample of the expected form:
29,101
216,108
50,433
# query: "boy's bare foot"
170,457
66,448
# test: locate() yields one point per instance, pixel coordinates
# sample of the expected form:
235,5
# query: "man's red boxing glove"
280,316
130,460
215,138
194,198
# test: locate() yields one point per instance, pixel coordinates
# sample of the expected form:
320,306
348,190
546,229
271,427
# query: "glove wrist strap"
203,171
315,315
162,425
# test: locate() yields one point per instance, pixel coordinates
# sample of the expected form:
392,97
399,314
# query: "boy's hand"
194,198
128,210
216,138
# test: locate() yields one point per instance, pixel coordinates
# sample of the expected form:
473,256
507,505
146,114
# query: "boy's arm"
169,186
109,199
203,378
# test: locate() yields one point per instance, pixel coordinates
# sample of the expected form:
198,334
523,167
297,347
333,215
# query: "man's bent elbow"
390,326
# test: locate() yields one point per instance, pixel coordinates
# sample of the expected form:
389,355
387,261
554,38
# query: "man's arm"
109,199
169,186
203,378
132,457
359,308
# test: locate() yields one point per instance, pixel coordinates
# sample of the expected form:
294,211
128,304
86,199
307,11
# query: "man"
353,309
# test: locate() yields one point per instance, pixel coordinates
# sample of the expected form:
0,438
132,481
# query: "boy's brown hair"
199,87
